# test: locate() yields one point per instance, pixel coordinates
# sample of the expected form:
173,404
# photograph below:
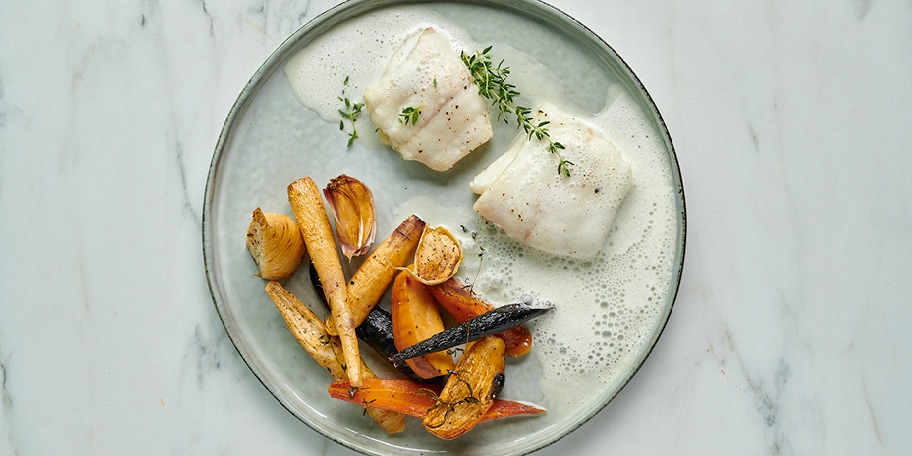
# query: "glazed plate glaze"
608,312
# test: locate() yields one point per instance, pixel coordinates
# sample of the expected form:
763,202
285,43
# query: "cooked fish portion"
522,192
427,75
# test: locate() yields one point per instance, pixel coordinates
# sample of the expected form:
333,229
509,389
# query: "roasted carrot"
416,318
403,396
414,399
463,305
505,409
486,324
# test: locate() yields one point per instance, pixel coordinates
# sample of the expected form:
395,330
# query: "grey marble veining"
790,332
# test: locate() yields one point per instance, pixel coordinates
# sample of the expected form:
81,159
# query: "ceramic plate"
609,312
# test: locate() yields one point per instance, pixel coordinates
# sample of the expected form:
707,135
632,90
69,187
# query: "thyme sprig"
450,407
470,283
351,112
492,84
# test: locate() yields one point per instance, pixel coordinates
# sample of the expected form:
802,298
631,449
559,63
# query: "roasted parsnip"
373,277
469,391
376,330
308,330
307,204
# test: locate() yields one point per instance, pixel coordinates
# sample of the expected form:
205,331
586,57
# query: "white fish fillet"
427,74
522,192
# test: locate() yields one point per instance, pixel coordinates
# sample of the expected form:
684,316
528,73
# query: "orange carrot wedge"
416,318
505,409
463,305
405,396
414,399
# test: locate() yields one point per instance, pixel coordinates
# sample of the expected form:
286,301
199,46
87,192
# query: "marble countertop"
790,334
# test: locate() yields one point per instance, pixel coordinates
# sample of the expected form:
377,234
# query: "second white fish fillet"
523,193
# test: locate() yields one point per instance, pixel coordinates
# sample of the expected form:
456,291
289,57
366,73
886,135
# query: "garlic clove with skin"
352,204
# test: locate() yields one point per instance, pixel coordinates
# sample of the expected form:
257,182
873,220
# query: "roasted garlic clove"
352,205
275,243
437,257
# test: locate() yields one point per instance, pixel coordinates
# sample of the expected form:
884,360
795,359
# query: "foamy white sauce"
606,308
360,54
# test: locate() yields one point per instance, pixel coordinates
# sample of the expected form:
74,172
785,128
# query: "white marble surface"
791,330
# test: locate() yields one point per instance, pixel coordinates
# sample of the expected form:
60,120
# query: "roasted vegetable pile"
452,375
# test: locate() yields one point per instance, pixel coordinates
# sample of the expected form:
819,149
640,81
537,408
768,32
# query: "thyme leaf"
410,115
